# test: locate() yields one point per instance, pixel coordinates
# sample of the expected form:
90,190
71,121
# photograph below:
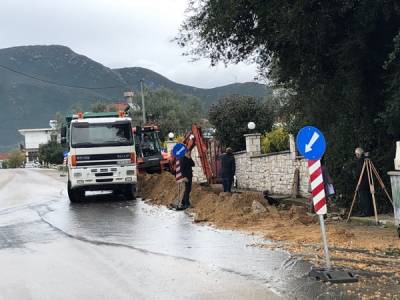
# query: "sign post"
178,152
311,144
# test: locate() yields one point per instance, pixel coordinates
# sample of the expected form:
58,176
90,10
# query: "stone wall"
198,174
273,172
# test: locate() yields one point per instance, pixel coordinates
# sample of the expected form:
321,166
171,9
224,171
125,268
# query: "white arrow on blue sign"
311,143
179,150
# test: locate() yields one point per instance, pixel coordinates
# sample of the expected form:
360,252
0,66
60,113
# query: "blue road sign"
311,143
179,150
65,153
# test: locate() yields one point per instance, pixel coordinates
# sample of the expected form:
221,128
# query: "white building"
3,157
34,138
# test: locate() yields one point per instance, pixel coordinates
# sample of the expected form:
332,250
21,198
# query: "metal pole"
325,242
143,106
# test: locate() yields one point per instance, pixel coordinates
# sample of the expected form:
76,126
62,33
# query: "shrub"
15,160
274,141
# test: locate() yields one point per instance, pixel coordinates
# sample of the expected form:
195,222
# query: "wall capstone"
292,147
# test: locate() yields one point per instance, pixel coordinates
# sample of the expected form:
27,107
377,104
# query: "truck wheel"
129,192
75,195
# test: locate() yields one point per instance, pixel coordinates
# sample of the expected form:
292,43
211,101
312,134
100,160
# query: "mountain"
26,102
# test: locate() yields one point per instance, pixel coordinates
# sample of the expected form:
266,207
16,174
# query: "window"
84,134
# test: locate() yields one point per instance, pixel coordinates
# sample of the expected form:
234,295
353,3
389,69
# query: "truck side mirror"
63,132
63,136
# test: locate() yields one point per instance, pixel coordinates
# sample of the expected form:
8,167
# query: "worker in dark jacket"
186,164
228,169
364,192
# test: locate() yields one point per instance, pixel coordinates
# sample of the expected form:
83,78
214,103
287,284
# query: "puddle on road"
159,230
23,226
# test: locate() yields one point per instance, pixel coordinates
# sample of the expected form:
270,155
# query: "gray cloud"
116,33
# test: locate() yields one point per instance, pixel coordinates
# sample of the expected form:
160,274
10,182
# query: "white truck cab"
101,154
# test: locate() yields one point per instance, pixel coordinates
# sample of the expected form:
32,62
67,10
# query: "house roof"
4,156
23,131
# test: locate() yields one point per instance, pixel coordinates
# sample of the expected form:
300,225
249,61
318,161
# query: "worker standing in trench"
186,164
228,169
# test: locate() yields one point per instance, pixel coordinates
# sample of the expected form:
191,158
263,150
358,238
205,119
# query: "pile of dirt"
225,209
222,209
158,189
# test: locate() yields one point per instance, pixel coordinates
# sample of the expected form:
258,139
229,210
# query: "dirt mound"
208,203
159,189
222,209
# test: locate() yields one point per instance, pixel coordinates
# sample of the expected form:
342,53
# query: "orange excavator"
151,157
208,153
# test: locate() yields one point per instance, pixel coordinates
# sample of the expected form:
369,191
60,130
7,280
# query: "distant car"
32,164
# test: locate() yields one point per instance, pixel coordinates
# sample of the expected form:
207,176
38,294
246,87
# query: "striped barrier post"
317,186
178,173
319,201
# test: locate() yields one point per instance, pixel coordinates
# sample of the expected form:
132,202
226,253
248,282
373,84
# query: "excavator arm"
192,139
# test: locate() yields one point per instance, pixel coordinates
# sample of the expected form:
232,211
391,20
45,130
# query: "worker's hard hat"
359,151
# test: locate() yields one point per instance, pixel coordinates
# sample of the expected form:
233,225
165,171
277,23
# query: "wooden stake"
372,188
295,185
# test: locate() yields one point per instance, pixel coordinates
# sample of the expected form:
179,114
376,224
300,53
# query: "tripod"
371,170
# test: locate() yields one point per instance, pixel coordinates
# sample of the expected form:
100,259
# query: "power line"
61,84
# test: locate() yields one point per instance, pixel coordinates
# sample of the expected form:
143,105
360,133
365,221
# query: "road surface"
109,248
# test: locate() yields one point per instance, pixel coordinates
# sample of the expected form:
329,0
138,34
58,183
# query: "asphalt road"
110,248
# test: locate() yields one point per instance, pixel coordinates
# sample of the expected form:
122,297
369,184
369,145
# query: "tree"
172,111
275,140
99,106
390,117
51,153
231,115
16,159
77,107
330,55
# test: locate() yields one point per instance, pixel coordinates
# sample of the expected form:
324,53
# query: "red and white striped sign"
317,186
178,173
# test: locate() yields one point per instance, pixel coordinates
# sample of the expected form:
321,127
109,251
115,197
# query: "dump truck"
101,154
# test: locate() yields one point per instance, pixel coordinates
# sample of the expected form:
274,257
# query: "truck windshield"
85,134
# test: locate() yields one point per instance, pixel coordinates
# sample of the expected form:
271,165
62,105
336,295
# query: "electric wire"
60,84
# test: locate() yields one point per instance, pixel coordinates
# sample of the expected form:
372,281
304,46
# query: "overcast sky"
116,33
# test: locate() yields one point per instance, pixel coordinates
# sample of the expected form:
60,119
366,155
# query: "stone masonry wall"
198,174
273,172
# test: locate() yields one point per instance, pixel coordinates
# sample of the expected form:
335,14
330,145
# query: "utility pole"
143,106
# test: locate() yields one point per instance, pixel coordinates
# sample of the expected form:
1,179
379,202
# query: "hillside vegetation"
31,103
